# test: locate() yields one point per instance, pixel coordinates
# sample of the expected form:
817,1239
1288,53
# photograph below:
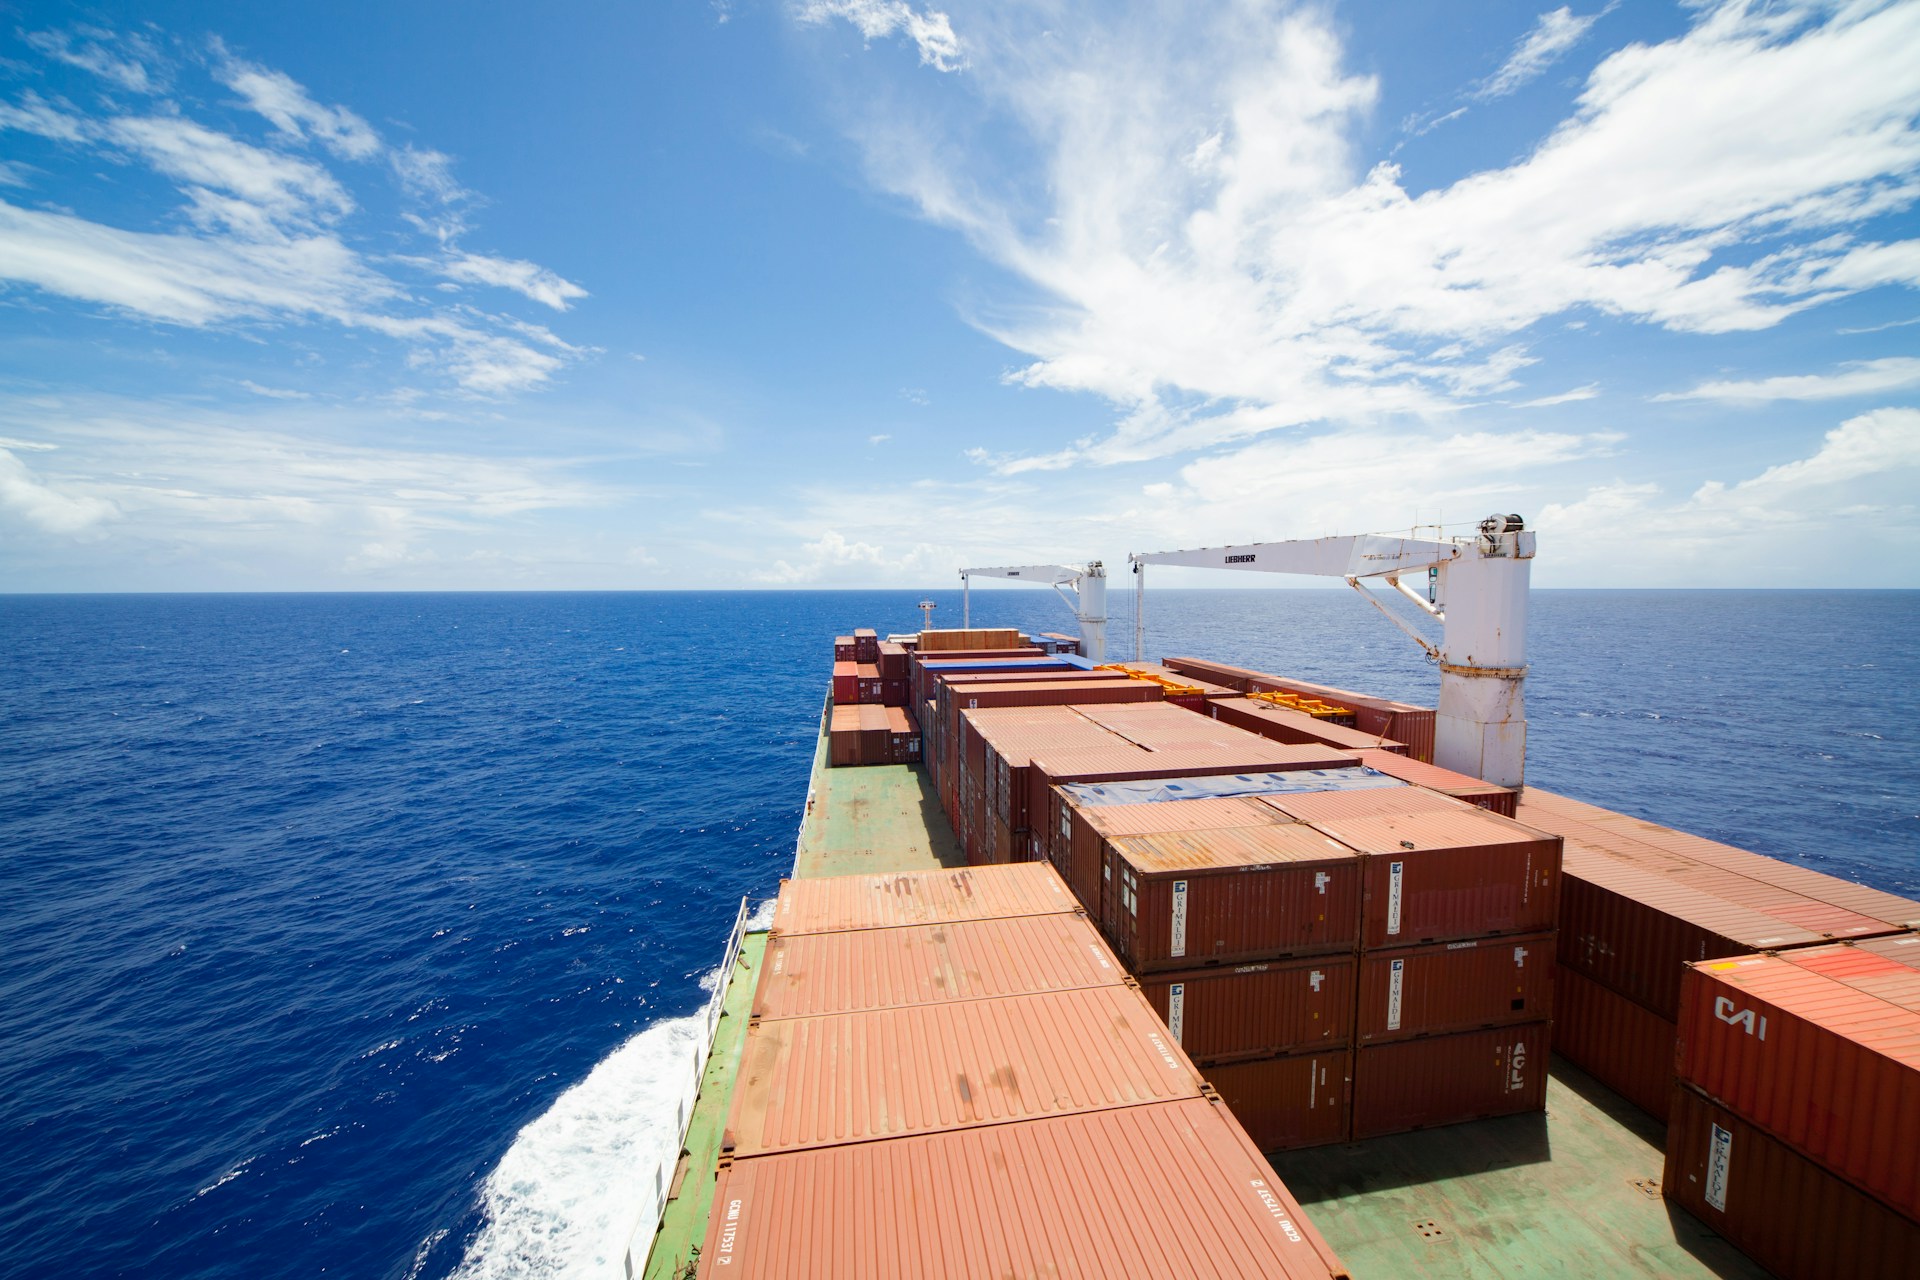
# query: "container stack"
1641,901
920,1039
1380,718
1797,1103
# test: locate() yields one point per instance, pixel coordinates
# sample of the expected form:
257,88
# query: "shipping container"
1361,802
836,903
1624,1046
903,738
894,693
1290,1102
1634,932
1829,1069
846,683
1796,1219
893,661
866,645
1228,896
843,736
1209,786
1077,836
867,682
1171,1189
876,734
1475,791
886,1073
843,648
1450,874
1220,673
1439,1080
1283,724
1256,1010
1454,986
953,640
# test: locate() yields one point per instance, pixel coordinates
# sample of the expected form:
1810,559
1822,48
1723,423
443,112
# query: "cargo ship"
1174,967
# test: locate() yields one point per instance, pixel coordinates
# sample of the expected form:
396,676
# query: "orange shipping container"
1078,846
1788,1214
1462,786
843,735
1622,1045
1474,1075
1449,875
1302,1100
1194,1195
813,973
1184,899
1454,986
1256,1010
836,903
1830,1069
1285,725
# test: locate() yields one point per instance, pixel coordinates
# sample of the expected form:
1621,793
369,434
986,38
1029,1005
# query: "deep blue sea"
353,934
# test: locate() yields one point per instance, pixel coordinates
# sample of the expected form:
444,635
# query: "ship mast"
1084,589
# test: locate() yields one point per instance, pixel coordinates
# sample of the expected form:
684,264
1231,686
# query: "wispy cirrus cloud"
267,230
1856,378
930,30
1213,254
1552,35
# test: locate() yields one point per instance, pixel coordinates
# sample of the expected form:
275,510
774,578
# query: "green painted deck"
1572,1193
684,1225
882,817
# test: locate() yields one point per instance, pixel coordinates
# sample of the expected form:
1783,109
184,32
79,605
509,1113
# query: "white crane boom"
1084,589
1482,585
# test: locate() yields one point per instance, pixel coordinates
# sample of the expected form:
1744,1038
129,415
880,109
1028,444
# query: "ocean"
358,935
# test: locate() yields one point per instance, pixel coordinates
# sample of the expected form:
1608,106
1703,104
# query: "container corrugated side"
843,735
846,683
1829,1069
876,735
1172,1189
1290,1102
1256,1010
1624,1046
834,903
1285,725
805,974
1447,875
1454,986
1794,1218
1462,786
1633,931
1076,836
1439,1080
1230,896
887,1073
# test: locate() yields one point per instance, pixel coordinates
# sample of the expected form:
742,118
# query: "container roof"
837,903
1229,848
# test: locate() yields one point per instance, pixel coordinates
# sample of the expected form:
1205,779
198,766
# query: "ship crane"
1480,601
1084,589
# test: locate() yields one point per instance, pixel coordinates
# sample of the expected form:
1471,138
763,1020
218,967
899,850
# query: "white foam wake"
563,1201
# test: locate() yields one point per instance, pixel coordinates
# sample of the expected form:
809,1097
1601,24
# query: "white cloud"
530,279
87,49
273,393
881,438
1587,392
47,506
1552,35
931,32
284,187
1214,261
292,111
1855,378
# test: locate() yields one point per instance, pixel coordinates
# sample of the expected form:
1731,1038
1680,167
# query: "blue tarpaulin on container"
1225,786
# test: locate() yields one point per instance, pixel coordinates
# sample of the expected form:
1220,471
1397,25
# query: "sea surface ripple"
356,935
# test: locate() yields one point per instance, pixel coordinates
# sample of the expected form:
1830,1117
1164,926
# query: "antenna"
926,608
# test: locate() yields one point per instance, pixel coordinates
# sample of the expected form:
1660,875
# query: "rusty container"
1256,1010
866,645
903,738
807,974
1633,931
1285,725
886,1073
1078,835
1625,1047
843,648
868,684
1194,1195
846,683
1437,1080
1289,1102
1481,794
1826,1067
1796,1219
1454,986
1376,802
843,736
876,735
834,904
1187,899
1447,875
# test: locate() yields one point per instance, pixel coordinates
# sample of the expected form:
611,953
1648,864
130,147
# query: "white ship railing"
653,1205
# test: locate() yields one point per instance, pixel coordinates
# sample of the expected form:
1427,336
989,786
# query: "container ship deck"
1572,1192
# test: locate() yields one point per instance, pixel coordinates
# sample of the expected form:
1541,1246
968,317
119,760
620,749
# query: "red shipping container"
1454,986
1256,1010
1376,802
1185,899
1829,1069
866,645
1436,1080
843,649
1286,1103
1283,724
833,904
1219,673
893,661
903,739
1788,1214
846,683
876,735
843,736
1079,851
1634,932
1625,1047
1475,791
868,683
893,693
1451,874
1194,1195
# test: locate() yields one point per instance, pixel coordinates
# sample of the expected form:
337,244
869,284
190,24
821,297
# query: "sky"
854,293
